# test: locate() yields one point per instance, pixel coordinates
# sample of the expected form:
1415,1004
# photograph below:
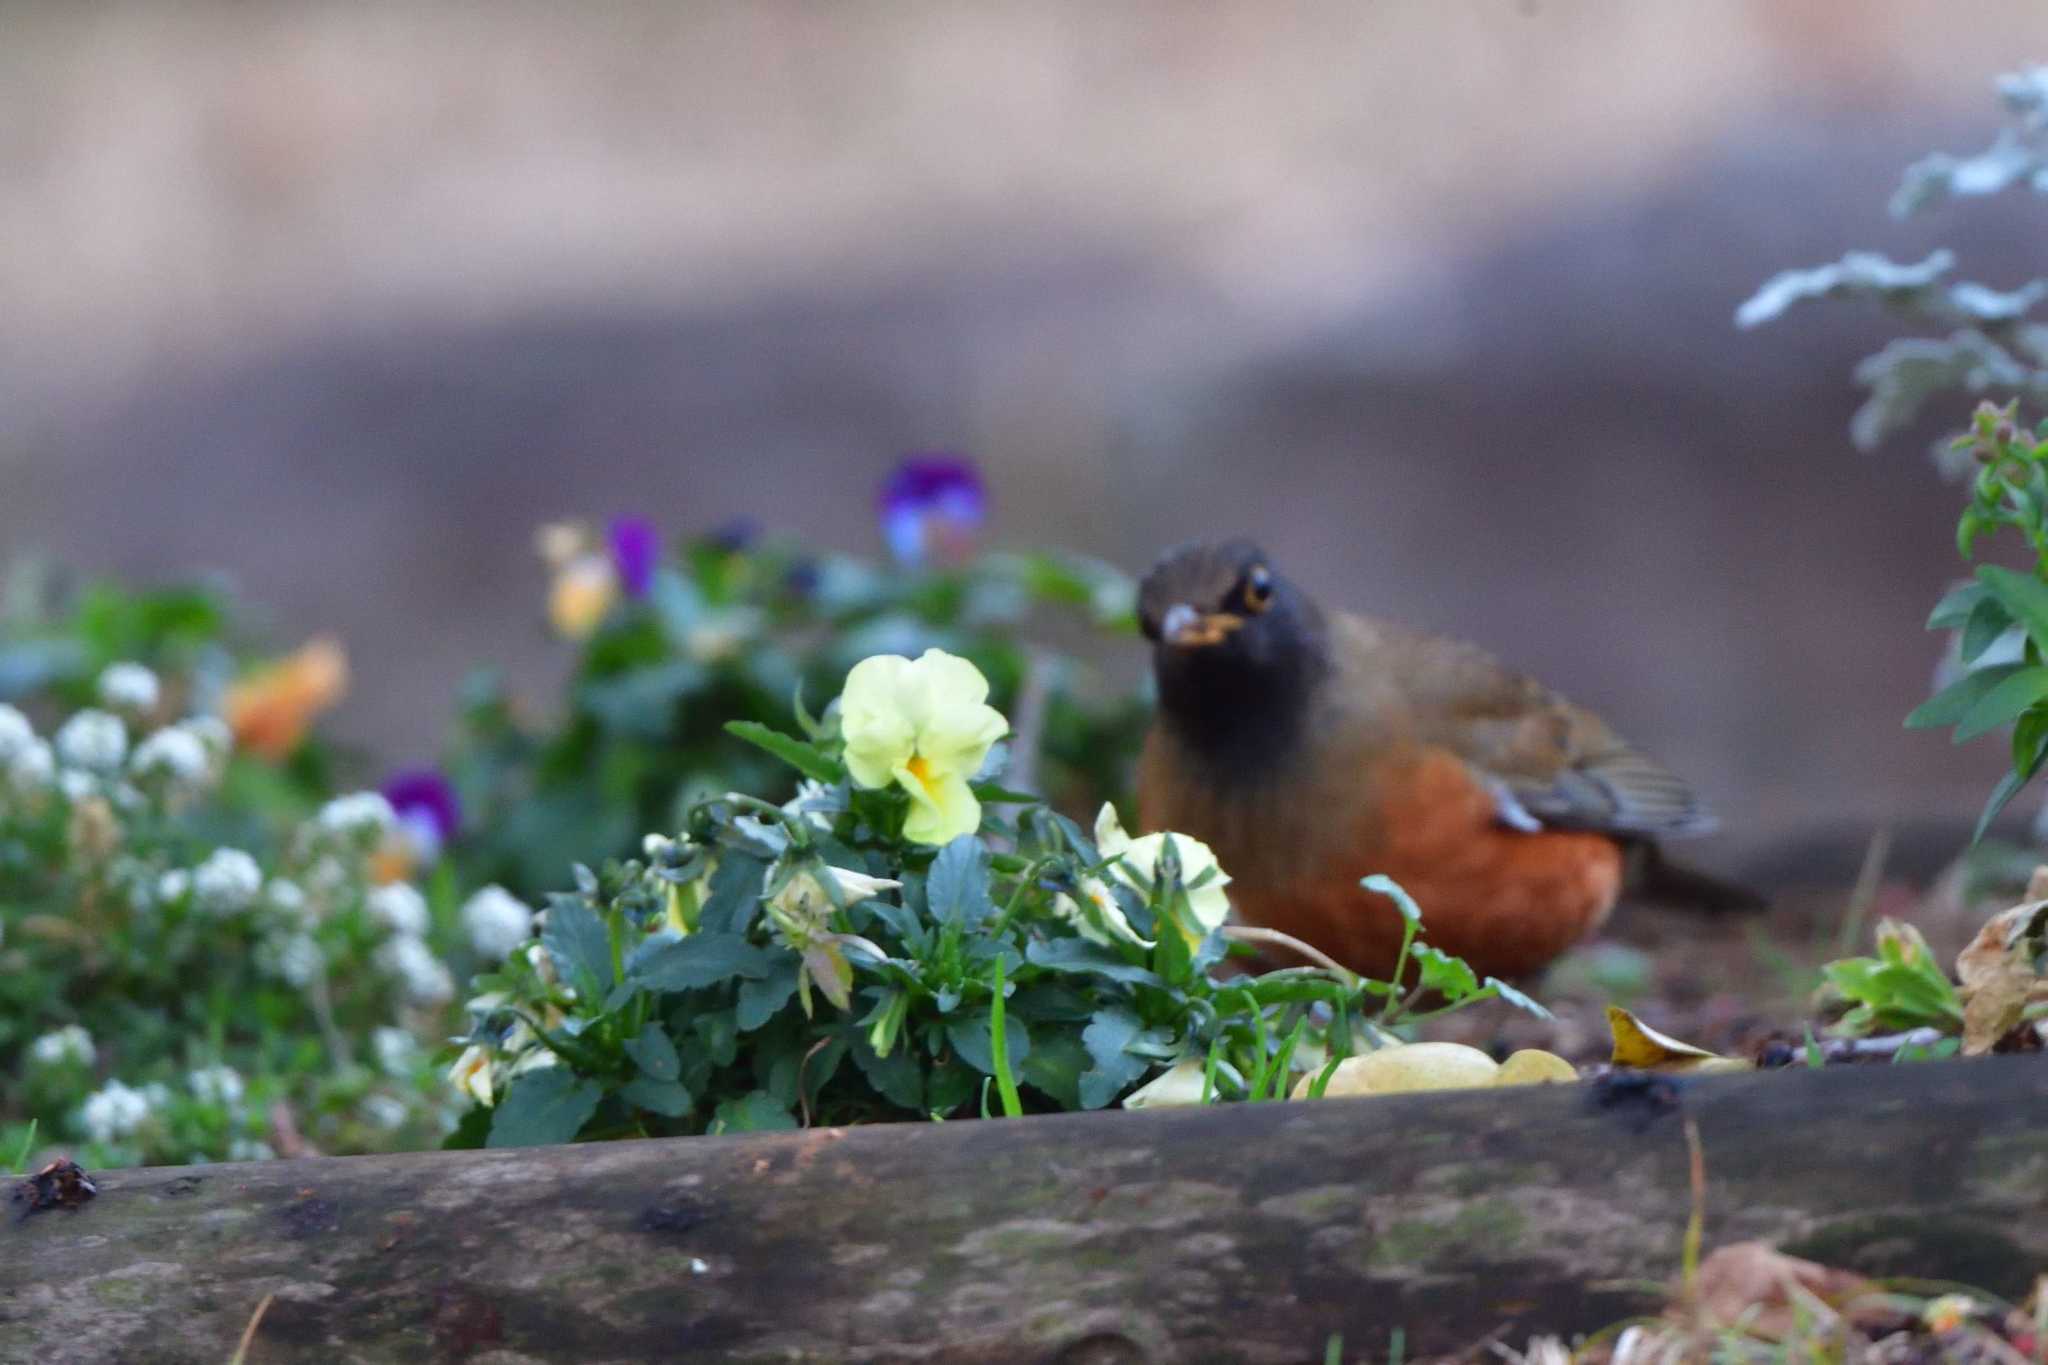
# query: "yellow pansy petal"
943,807
879,736
1110,838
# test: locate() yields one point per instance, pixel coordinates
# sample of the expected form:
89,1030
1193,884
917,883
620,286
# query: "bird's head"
1228,633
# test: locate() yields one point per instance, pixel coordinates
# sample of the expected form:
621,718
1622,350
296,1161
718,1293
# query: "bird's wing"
1549,764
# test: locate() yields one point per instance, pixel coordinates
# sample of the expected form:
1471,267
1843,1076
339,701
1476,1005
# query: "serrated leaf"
970,1033
2004,702
542,1108
702,959
655,1054
1054,1067
734,895
896,1077
1451,977
755,1112
667,1098
806,758
581,946
1080,956
956,887
761,997
1953,702
1112,1069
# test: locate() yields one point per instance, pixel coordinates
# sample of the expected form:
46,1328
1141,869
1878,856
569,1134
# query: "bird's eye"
1258,588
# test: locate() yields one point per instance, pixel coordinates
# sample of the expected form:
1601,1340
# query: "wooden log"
1245,1233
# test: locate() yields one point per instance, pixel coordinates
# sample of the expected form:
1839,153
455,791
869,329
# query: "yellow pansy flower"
1139,858
471,1074
926,726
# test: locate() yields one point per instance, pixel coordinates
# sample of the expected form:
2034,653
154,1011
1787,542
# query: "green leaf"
896,1077
807,759
699,960
654,1054
755,1112
1451,977
2003,703
1987,621
1092,959
1114,1069
2024,595
1955,607
1055,1065
580,945
761,997
734,896
1953,702
2008,787
956,888
969,1033
667,1098
542,1108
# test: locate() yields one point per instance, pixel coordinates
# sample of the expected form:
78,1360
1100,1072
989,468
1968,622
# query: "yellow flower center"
921,769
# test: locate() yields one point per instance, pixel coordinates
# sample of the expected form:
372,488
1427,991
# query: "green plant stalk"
1006,1084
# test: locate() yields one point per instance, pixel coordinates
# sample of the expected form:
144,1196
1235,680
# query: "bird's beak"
1185,628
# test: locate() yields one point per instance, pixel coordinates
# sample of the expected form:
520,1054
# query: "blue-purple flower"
428,814
931,507
636,553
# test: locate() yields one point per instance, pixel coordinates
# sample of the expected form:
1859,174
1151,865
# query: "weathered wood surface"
1248,1233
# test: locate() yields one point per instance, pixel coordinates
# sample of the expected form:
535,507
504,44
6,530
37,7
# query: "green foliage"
773,966
1902,988
1991,344
162,989
2000,619
675,694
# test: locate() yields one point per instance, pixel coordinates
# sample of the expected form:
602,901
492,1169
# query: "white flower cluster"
129,687
220,1085
295,959
421,975
497,922
226,883
400,908
113,1112
70,1044
93,741
356,815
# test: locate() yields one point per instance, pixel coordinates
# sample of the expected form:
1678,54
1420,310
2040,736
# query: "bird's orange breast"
1506,901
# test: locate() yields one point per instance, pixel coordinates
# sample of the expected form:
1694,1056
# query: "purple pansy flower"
636,552
427,808
931,506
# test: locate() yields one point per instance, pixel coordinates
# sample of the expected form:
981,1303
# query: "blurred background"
1435,299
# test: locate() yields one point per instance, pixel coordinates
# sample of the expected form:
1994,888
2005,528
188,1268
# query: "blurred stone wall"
1435,299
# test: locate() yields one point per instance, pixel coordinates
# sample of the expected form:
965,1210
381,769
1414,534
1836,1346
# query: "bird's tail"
1654,878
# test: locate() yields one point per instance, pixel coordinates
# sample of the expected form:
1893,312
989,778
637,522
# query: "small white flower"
249,1149
420,974
157,1094
213,732
295,959
174,754
384,1111
397,1052
216,1085
33,767
173,885
497,922
288,899
227,882
76,785
357,813
94,740
399,907
654,845
112,1112
59,1046
16,734
328,879
129,687
805,895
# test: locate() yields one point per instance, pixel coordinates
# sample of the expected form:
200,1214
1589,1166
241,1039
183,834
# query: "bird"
1310,749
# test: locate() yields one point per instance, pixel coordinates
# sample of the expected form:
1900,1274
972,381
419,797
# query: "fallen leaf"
2001,975
1769,1294
1534,1066
1638,1045
1411,1066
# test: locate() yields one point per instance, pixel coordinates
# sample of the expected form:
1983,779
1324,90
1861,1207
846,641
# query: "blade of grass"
999,1044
